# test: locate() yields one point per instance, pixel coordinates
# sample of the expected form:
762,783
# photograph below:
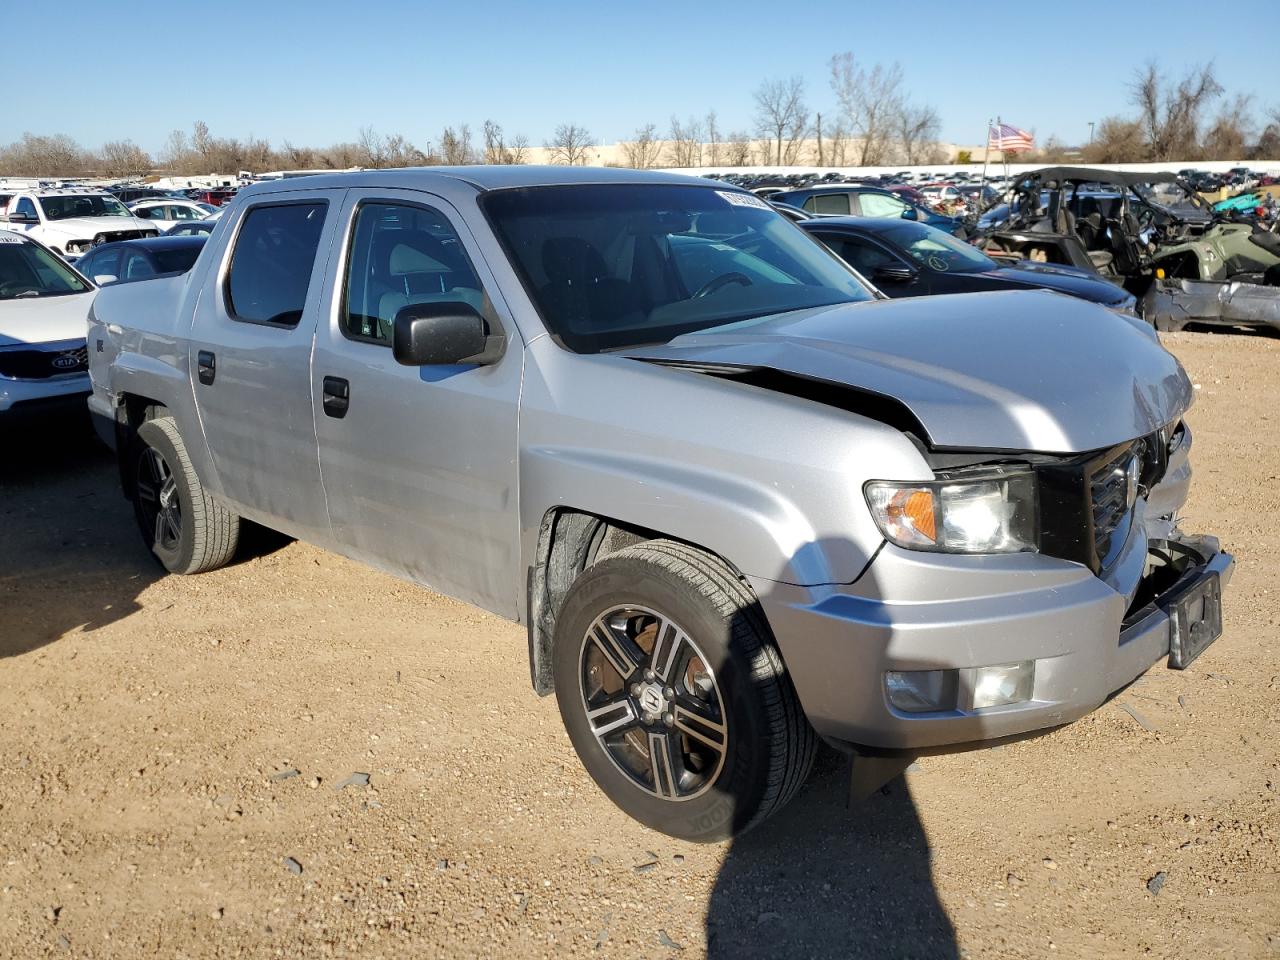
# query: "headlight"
980,514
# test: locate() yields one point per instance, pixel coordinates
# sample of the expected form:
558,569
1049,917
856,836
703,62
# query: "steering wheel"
719,283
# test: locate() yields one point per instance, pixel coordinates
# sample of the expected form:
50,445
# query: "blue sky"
315,73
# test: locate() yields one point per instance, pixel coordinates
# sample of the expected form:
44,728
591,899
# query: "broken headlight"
985,513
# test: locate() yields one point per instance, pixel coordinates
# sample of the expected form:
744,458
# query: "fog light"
921,691
1003,684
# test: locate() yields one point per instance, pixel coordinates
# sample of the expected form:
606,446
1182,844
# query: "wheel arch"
570,541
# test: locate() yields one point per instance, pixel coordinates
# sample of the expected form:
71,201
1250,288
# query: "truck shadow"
822,880
71,556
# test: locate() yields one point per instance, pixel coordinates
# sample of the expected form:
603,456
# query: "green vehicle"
1184,262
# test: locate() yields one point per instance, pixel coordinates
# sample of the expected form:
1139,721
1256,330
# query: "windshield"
937,250
29,270
618,265
82,205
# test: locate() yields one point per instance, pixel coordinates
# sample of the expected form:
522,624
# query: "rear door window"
837,203
879,205
272,262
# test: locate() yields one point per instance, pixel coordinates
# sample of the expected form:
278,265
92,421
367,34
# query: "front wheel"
186,529
674,695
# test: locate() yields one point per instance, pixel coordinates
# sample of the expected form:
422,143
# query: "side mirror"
23,218
894,273
102,279
441,333
910,214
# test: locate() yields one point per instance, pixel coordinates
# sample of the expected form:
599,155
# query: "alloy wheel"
158,499
653,703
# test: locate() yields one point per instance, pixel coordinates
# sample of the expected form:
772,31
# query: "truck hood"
84,228
34,320
1018,371
1064,279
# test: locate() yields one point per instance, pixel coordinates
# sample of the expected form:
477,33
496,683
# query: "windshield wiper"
26,293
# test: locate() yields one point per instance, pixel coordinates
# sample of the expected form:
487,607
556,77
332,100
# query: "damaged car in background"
740,501
1183,260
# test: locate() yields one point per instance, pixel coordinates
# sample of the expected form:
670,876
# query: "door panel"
419,463
256,410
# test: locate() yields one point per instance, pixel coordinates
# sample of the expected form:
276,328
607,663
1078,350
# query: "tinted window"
138,266
30,271
863,255
105,263
25,205
271,264
830,203
401,255
620,264
937,250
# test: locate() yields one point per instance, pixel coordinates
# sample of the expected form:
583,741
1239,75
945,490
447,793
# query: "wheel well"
133,411
570,541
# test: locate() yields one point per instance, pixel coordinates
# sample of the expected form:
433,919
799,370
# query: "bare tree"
1268,144
782,116
713,139
297,158
370,144
644,148
917,132
1170,115
1232,132
55,155
871,102
684,143
1118,140
456,147
571,145
123,158
738,149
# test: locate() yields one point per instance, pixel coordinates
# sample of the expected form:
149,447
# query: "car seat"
579,289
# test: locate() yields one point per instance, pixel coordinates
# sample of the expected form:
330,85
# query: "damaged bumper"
927,652
1172,304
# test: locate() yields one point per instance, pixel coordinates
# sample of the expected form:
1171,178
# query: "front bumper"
1172,304
956,613
34,397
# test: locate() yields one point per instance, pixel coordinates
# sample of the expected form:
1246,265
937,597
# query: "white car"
166,214
44,309
70,221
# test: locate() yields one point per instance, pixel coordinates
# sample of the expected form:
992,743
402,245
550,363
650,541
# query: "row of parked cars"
741,498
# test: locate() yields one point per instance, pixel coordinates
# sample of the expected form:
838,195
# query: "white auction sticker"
10,238
742,199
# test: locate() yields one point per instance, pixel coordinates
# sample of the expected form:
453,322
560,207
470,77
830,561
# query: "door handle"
336,397
206,366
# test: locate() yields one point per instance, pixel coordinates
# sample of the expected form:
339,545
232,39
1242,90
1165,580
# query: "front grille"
43,364
111,236
1110,500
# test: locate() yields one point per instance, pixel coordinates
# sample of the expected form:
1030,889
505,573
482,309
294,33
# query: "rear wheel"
186,529
674,694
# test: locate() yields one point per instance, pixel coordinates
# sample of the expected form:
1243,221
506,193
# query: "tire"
201,535
740,745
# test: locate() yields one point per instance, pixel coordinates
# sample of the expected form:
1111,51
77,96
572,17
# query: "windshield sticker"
10,238
742,199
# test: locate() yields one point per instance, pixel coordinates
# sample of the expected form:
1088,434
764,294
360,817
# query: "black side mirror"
894,273
23,218
910,214
444,332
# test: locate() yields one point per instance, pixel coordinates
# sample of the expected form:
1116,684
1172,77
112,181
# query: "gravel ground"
297,756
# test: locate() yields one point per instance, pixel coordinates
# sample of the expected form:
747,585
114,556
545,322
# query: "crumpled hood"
1019,371
84,228
36,320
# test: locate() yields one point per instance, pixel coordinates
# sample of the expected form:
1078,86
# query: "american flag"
1009,139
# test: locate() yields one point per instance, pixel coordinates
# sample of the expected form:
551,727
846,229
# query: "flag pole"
986,156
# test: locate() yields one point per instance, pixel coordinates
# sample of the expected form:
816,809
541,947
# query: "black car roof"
1124,178
184,242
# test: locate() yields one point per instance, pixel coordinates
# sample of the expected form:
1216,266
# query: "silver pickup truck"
740,500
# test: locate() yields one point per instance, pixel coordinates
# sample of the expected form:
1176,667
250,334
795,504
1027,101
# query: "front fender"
770,482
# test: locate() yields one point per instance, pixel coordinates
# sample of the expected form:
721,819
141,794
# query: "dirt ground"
150,728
